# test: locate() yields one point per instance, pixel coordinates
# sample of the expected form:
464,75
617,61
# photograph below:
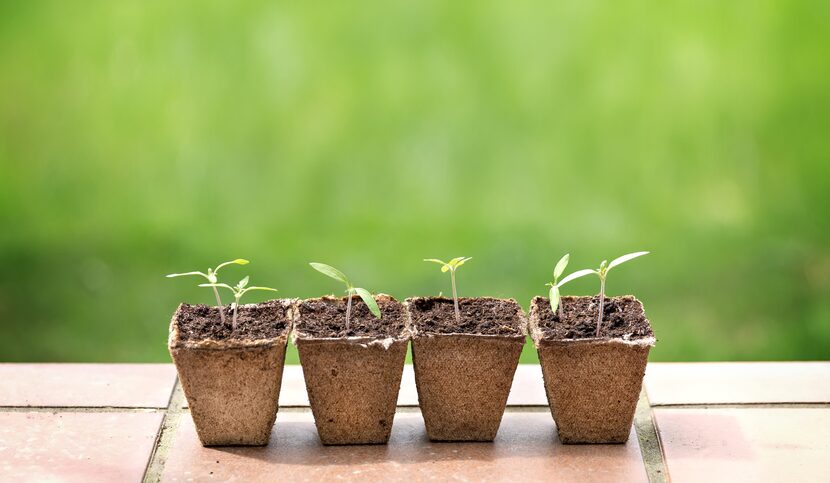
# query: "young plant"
602,273
241,289
211,277
451,267
558,270
350,290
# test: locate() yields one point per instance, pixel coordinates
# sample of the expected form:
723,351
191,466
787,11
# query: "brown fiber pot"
232,387
592,384
352,382
463,380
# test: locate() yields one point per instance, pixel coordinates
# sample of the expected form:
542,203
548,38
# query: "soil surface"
623,318
326,317
256,321
480,315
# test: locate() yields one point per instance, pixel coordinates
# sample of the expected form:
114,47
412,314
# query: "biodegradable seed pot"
592,383
231,378
463,371
352,374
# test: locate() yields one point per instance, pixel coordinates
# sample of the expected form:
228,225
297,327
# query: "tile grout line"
167,430
651,448
745,405
79,409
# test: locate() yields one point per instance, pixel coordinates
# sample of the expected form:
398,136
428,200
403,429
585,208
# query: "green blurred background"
141,138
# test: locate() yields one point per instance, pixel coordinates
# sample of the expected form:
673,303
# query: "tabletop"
755,421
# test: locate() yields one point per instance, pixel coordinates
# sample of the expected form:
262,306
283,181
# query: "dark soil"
483,315
326,317
623,317
260,321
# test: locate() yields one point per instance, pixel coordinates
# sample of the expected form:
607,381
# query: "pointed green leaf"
369,300
625,258
575,275
222,285
330,271
554,298
238,261
172,275
560,266
242,283
435,260
262,288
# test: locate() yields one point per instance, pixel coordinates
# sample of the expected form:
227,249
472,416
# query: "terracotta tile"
89,385
526,449
745,444
528,388
737,382
84,447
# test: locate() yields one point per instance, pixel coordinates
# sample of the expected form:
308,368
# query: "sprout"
451,266
350,289
238,291
558,270
212,279
601,272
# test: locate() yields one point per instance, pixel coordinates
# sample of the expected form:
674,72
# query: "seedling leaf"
242,283
261,288
222,285
561,265
238,261
330,271
369,300
575,275
172,275
625,258
554,298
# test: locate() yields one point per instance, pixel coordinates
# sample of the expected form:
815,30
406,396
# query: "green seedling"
602,273
451,267
558,270
351,290
211,277
241,289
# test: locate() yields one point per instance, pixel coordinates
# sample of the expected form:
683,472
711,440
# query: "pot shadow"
523,436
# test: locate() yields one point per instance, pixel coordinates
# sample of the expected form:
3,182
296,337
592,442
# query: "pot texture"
352,382
232,387
463,380
592,384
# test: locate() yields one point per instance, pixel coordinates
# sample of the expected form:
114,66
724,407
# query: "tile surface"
83,447
527,390
526,449
746,444
738,382
89,385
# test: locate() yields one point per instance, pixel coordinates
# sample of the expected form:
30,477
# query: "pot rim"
175,342
299,336
539,338
523,327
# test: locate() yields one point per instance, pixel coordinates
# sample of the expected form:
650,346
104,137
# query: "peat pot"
464,369
592,382
352,373
231,377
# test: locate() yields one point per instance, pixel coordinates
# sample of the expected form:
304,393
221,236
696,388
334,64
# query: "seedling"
211,277
350,290
451,267
558,270
241,289
602,273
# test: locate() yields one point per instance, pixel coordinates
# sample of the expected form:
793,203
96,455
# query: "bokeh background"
142,138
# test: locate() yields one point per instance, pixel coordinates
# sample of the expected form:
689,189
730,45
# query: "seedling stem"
364,294
451,267
212,277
